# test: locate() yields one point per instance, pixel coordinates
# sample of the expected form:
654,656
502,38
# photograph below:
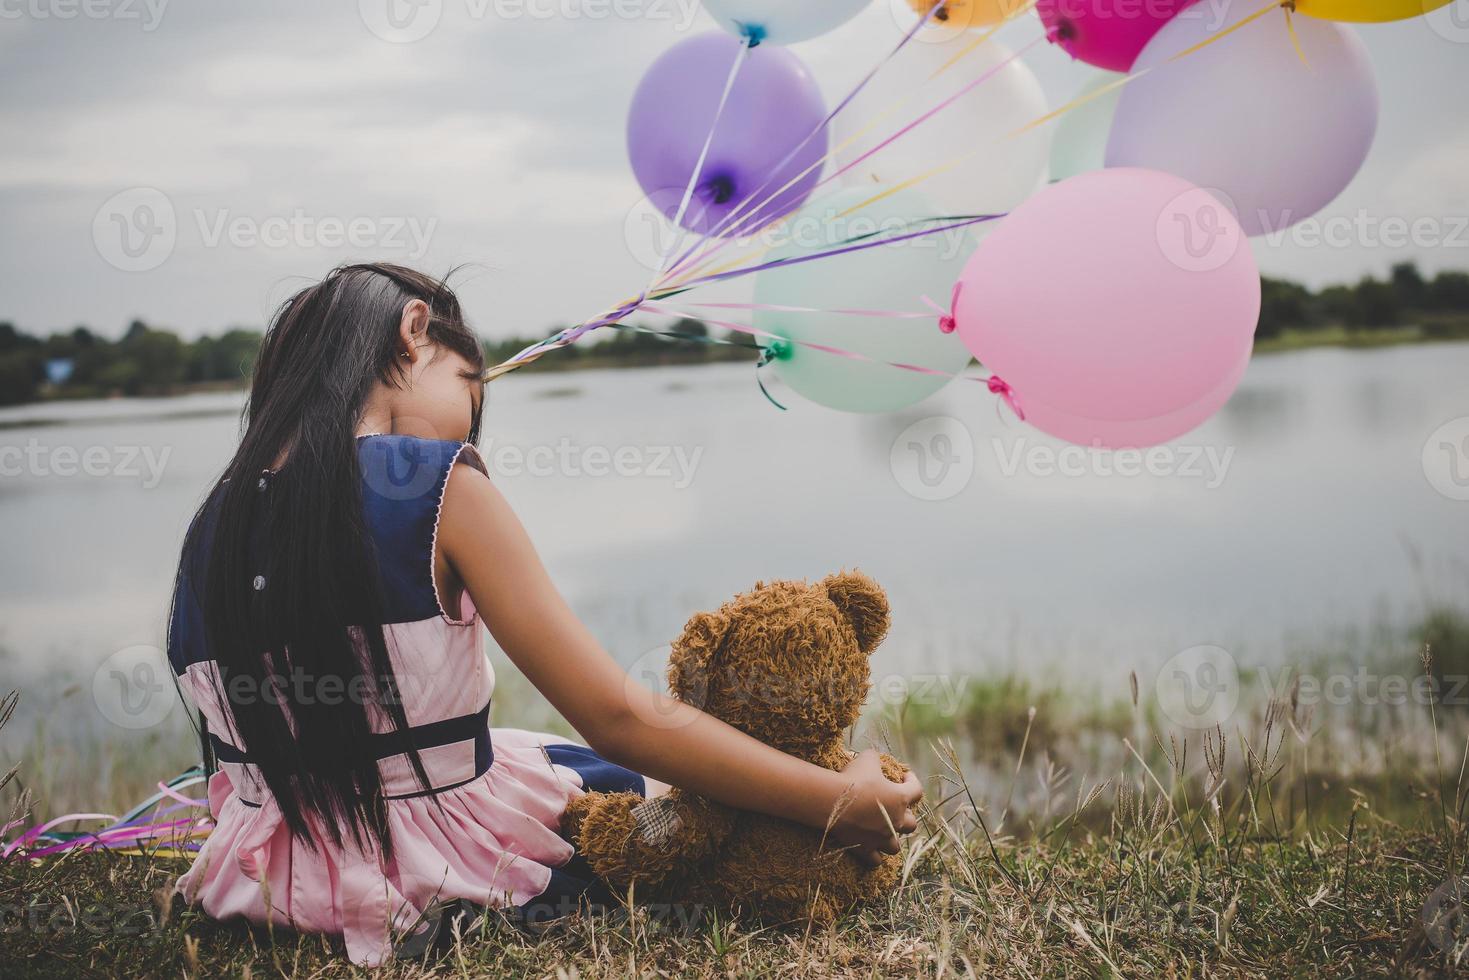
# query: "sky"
274,139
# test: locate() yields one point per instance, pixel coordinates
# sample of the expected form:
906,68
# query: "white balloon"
993,170
782,21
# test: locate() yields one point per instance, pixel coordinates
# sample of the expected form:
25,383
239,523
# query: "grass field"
1060,837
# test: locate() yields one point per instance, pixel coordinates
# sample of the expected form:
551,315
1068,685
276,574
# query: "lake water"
1303,511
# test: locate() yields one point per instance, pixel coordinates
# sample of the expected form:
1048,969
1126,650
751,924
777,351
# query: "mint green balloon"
1080,143
892,277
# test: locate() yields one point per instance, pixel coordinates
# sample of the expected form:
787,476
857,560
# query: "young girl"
326,623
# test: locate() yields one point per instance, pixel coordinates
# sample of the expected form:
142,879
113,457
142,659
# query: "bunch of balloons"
911,226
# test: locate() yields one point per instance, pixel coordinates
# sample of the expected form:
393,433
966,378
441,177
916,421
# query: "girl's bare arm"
489,550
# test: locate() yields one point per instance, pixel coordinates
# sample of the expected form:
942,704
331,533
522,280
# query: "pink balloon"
1119,306
1138,432
1107,33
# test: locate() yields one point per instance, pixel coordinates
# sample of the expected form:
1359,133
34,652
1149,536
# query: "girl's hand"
877,809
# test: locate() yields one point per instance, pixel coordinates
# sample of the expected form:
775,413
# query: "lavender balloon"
1276,137
760,144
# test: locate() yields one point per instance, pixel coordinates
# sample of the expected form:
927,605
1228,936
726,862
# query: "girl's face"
436,393
440,399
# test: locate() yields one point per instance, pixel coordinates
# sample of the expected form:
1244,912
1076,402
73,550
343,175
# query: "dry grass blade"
7,707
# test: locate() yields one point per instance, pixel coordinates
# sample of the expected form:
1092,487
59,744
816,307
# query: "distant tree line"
1439,307
686,341
80,364
146,360
149,361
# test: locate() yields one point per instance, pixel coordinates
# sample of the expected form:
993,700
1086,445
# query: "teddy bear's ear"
863,602
689,662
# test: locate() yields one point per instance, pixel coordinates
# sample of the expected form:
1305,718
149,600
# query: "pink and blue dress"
485,829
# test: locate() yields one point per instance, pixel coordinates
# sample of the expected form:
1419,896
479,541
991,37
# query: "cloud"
102,147
366,68
1433,181
507,131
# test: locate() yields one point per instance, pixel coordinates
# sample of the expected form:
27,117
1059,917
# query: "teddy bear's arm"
634,842
894,770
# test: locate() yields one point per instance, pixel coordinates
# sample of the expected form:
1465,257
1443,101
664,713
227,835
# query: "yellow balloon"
1367,11
964,14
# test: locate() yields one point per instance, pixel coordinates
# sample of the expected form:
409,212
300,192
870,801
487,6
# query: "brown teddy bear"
788,664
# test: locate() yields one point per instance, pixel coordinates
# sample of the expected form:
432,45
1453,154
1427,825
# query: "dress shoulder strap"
403,483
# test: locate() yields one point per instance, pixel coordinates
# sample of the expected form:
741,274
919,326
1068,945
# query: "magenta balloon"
757,149
1106,33
1119,305
1277,137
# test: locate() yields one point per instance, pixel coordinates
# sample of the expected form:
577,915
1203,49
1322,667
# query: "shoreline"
1337,337
1288,342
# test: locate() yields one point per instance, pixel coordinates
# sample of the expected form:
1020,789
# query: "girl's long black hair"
302,660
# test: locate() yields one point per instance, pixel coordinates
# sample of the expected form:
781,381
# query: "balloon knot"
998,386
947,321
752,33
720,189
772,351
1061,32
776,350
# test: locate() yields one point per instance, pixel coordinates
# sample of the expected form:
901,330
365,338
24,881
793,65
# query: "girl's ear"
691,662
863,602
413,330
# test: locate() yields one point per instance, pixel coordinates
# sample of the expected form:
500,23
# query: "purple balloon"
1275,132
760,144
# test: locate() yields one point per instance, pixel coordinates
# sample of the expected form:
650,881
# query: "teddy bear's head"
786,662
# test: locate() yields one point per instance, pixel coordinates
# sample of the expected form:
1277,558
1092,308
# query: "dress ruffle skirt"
493,841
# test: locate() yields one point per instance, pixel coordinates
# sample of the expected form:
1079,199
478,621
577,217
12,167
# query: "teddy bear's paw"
649,844
894,770
658,821
604,821
576,813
